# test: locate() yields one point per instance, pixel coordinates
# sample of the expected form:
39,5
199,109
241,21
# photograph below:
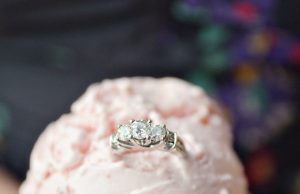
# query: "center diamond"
140,130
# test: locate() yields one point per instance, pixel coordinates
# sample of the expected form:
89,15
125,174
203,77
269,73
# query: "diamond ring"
144,134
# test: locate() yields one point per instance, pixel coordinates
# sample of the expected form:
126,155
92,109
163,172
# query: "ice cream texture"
73,156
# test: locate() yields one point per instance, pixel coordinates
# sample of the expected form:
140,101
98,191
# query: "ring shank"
179,147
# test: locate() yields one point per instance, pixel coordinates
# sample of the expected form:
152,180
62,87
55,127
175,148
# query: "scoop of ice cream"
73,155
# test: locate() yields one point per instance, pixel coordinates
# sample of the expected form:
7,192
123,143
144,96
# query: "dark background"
50,51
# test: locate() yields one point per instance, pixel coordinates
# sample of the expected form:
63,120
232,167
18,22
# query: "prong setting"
145,134
141,132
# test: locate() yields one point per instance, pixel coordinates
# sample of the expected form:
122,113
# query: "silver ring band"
141,134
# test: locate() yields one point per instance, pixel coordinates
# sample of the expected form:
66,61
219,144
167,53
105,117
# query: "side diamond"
124,133
158,133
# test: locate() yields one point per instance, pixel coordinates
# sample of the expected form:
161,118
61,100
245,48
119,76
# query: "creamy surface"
73,155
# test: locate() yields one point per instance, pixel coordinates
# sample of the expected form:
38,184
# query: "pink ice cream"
73,155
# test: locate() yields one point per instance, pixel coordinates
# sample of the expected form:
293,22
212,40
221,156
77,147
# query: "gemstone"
124,133
140,130
158,132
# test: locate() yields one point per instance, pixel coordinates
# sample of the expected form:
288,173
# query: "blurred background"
245,53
